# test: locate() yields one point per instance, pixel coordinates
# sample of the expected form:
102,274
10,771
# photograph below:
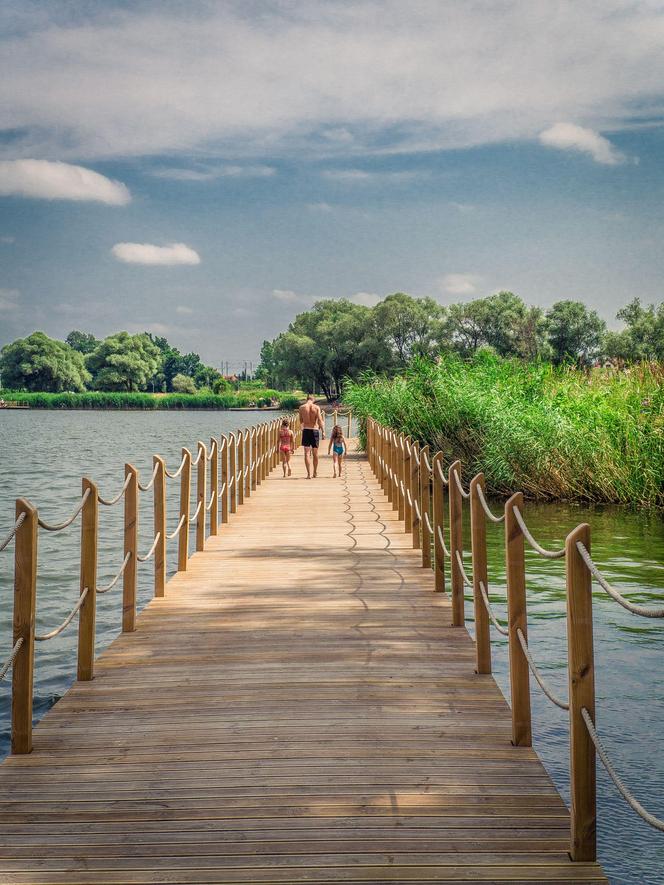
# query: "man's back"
310,415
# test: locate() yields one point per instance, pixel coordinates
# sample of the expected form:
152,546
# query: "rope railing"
177,472
194,516
109,502
487,604
427,463
44,637
459,485
441,475
178,528
10,660
427,523
213,447
17,525
547,554
151,551
114,581
213,498
466,579
627,795
632,607
194,461
537,674
148,486
442,542
59,526
487,510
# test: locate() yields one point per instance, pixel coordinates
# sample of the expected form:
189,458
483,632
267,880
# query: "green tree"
124,362
575,333
40,363
643,337
408,326
206,376
83,342
183,384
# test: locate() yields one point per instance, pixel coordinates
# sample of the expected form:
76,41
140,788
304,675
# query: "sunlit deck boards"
295,709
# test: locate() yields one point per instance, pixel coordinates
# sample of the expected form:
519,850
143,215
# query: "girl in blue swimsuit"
338,447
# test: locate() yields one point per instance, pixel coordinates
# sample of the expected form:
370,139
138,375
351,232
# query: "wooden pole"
350,423
247,462
159,525
130,549
456,544
407,504
438,524
201,496
401,467
88,580
583,817
517,614
232,477
384,456
260,464
25,598
239,482
478,542
394,464
253,438
425,507
214,486
185,488
414,492
224,479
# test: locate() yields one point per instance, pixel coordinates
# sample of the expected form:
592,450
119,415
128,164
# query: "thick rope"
44,636
547,554
536,673
196,512
197,458
615,777
464,493
442,542
109,502
427,522
151,550
486,508
177,530
417,511
613,593
213,446
213,497
147,487
57,527
17,525
487,604
10,660
115,580
427,463
466,579
440,473
178,471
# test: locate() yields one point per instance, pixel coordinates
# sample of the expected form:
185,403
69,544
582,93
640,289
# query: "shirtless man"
311,417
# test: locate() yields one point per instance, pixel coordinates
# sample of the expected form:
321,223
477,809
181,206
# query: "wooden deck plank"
296,708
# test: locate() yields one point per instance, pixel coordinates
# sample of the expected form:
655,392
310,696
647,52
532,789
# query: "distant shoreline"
242,401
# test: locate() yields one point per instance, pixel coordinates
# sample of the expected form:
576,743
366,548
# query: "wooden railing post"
581,670
260,467
425,507
456,544
408,503
414,492
88,580
185,490
394,464
401,475
201,496
385,454
232,471
515,563
214,486
159,525
253,438
239,482
223,454
438,523
247,463
25,600
350,422
478,542
130,550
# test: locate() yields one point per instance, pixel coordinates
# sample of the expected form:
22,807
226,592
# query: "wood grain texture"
295,708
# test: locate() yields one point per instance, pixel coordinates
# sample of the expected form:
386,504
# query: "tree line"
120,362
338,339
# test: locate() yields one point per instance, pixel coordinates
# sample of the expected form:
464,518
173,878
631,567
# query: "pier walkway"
296,708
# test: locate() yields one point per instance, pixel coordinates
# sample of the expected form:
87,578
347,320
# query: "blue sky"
297,150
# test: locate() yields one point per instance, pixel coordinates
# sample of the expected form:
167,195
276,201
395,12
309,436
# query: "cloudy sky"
205,170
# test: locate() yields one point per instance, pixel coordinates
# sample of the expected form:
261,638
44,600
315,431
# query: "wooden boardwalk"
295,709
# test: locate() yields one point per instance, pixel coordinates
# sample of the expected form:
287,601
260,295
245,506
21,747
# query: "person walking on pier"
286,445
311,417
338,446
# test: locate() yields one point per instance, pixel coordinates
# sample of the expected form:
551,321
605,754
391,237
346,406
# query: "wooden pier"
296,708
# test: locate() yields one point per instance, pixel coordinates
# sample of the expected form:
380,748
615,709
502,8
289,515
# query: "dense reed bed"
118,400
554,433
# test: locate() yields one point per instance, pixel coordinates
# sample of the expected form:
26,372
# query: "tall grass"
554,433
117,400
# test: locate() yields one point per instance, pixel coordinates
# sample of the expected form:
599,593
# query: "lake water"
43,456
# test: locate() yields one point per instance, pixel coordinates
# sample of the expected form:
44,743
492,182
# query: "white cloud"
210,173
362,176
321,74
570,137
46,180
146,253
460,283
7,241
287,296
319,207
8,300
183,311
368,299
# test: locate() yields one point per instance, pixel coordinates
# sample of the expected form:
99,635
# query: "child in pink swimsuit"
286,445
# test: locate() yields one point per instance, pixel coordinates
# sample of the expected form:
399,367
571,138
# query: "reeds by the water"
554,433
119,400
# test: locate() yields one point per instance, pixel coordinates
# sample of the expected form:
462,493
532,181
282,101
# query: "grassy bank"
149,401
552,433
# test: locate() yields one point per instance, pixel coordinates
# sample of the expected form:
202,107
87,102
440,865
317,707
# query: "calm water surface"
43,456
